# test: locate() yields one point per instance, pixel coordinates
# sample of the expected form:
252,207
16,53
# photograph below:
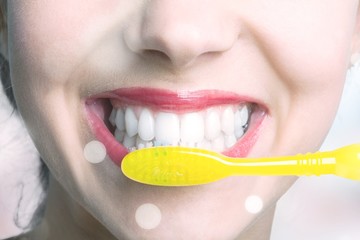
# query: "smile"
133,118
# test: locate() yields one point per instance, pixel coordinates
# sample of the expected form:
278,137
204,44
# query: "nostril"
155,54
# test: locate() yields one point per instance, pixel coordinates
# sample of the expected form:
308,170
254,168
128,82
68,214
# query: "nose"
181,31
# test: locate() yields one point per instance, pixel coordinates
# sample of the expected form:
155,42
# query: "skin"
291,55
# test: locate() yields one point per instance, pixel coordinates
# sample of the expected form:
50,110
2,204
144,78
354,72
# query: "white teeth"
205,144
244,113
218,144
119,135
146,126
239,130
227,121
149,144
140,143
188,144
216,128
167,128
112,117
120,120
212,124
129,142
131,122
192,127
229,140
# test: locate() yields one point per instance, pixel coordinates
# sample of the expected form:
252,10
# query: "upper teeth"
215,128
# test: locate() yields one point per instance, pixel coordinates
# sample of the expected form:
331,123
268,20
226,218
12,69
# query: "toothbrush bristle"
171,166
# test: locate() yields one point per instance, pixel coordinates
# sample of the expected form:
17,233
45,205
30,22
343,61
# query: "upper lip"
176,101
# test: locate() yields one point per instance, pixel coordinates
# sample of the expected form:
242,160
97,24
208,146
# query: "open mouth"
133,118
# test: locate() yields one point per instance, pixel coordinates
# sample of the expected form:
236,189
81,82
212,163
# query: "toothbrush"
181,166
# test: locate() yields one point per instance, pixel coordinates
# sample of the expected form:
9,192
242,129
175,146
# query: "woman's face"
198,62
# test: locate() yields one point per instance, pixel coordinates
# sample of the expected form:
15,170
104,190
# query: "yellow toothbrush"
181,166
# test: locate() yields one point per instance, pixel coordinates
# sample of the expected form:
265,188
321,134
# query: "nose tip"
181,44
179,33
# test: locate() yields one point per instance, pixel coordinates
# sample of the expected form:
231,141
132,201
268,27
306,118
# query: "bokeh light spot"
95,152
253,204
148,216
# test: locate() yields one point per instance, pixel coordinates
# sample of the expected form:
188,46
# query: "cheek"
309,56
56,37
47,48
53,37
307,45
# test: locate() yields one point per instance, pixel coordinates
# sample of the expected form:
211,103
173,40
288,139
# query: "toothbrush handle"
319,163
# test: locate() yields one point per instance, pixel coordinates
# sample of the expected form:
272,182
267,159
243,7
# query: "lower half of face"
255,86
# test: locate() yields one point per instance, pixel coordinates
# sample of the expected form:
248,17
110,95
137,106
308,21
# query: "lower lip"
114,149
117,151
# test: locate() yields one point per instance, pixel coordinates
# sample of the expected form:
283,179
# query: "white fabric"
20,189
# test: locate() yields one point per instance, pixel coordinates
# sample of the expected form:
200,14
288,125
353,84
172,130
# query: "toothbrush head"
173,166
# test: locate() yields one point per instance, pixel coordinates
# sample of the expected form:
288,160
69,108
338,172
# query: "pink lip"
175,101
166,100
